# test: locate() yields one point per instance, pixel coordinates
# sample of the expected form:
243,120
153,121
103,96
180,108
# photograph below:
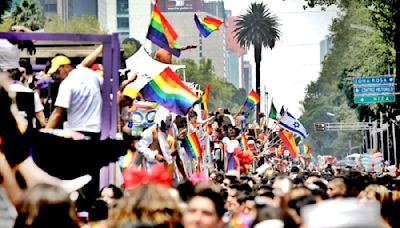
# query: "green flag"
272,112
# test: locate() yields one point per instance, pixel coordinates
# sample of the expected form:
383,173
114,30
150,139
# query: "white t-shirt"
9,55
230,144
15,87
80,94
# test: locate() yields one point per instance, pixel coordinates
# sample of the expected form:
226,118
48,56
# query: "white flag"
292,124
146,68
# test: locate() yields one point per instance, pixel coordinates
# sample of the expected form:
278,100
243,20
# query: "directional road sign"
373,80
373,90
374,99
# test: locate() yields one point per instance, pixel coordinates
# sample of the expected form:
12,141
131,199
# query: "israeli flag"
292,124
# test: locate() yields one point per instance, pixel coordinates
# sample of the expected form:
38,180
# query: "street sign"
378,89
377,80
374,99
373,90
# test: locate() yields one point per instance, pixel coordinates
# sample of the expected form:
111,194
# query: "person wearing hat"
153,145
79,96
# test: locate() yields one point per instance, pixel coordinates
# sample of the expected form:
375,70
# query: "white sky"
295,61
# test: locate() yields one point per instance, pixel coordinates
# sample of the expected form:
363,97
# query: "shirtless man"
165,56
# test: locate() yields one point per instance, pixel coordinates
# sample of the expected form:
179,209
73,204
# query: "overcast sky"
295,61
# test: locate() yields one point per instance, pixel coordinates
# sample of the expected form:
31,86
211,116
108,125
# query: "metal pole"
394,143
382,149
387,139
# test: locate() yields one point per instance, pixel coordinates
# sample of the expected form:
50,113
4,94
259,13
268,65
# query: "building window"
123,22
122,7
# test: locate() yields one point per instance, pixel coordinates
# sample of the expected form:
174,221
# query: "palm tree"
257,27
28,14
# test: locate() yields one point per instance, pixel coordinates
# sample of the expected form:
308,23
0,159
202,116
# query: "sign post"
374,89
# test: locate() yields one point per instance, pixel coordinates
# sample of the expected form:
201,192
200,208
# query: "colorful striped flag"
203,98
288,140
252,99
162,33
304,149
168,90
191,145
207,25
243,143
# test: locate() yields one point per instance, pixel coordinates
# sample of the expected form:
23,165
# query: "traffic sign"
373,80
374,99
373,90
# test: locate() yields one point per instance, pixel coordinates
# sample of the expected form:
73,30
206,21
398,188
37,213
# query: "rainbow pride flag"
243,143
168,90
304,148
252,99
288,140
162,33
203,98
192,145
207,25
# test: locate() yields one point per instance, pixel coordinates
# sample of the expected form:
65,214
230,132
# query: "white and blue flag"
292,124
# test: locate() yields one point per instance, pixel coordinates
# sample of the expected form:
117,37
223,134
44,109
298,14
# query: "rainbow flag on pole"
162,33
192,145
203,98
207,25
252,99
168,90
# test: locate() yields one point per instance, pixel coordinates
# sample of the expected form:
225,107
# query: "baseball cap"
58,61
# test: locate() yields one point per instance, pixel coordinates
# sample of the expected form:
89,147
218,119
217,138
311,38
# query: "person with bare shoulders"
165,56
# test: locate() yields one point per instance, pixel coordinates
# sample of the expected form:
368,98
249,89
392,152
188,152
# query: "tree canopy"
355,53
222,93
27,13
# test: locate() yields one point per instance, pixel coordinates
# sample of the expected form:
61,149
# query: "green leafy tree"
4,6
130,46
257,28
27,13
5,24
222,93
354,53
385,15
81,24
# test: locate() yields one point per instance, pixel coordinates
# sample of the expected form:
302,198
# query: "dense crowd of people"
242,178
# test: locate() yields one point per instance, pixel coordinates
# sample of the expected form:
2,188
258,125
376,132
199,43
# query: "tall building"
247,76
324,48
232,68
215,7
69,8
212,47
130,18
181,5
232,46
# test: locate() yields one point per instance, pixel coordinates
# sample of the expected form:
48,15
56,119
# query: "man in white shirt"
79,95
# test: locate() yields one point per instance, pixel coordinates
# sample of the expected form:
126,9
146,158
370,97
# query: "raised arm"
91,58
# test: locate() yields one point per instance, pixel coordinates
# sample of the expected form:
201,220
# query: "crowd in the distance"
231,185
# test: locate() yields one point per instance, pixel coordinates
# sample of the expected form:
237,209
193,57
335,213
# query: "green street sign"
374,99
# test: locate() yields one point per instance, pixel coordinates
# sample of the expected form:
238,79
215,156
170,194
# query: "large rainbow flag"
162,33
289,141
252,99
192,145
207,25
168,90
